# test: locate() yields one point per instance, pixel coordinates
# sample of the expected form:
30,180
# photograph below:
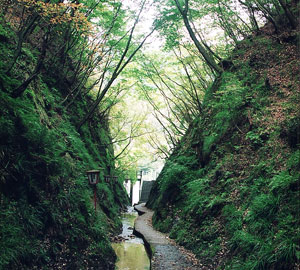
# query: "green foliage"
234,218
254,138
47,217
282,182
225,103
49,193
241,200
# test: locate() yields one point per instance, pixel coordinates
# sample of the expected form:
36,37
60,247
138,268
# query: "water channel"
131,253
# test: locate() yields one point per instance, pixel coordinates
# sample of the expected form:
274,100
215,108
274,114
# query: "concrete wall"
135,193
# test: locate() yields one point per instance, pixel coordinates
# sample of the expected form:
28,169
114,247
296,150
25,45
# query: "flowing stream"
131,253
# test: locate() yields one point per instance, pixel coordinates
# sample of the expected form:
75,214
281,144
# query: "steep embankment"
230,191
47,219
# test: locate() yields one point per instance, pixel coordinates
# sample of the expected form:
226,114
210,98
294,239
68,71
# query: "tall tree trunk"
268,14
21,89
206,55
253,20
288,13
22,35
118,69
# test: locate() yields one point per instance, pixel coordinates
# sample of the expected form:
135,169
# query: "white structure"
127,186
144,173
135,193
135,196
149,172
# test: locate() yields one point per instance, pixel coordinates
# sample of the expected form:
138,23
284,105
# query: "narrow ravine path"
166,255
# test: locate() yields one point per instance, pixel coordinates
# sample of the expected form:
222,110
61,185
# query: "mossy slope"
47,219
230,191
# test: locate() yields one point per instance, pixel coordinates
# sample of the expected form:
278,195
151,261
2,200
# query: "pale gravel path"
167,255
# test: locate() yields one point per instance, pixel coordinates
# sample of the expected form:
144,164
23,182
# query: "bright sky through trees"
168,77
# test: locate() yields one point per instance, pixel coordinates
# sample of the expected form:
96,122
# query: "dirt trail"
166,255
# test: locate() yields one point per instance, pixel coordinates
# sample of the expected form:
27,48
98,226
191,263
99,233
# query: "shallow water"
131,253
131,256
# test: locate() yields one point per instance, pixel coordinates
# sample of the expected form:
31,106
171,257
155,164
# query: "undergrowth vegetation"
230,191
47,218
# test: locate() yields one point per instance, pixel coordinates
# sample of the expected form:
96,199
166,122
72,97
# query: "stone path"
166,255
